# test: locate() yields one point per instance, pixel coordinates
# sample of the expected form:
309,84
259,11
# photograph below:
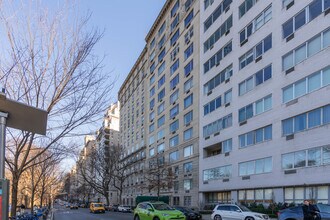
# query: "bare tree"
48,62
159,175
97,169
120,176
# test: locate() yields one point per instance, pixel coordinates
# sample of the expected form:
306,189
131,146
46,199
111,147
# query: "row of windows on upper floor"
311,157
299,123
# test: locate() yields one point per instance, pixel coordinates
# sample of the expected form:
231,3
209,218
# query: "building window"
306,85
188,134
261,48
217,125
174,141
216,13
162,29
175,8
152,80
161,95
174,96
189,35
175,22
151,152
306,50
217,57
188,68
258,78
258,107
212,105
175,37
187,201
174,67
228,96
174,52
188,151
176,200
222,30
255,137
151,128
174,111
306,158
189,51
217,173
152,91
152,68
152,43
305,121
188,101
187,167
319,194
189,17
151,140
174,126
259,166
256,24
161,134
187,118
246,6
161,108
218,79
176,185
161,42
174,82
255,195
151,116
174,156
187,184
161,81
161,56
218,197
207,3
188,84
161,121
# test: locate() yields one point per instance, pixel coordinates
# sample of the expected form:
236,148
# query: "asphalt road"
62,213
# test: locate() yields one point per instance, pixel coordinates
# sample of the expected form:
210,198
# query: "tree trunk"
32,200
14,192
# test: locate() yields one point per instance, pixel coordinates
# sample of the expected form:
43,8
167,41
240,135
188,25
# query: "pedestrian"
310,212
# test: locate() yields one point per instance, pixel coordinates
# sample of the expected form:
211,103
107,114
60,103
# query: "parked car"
74,206
237,212
67,205
156,211
114,208
189,213
296,213
124,208
82,205
96,208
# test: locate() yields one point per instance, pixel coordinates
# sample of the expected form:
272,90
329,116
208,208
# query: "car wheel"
217,217
156,218
136,217
249,218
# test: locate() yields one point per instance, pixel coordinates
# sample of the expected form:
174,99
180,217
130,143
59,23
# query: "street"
62,213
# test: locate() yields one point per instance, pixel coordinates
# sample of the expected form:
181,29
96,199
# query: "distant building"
159,107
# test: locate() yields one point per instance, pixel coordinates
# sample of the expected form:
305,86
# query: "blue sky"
126,23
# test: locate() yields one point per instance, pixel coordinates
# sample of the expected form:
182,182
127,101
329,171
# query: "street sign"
23,117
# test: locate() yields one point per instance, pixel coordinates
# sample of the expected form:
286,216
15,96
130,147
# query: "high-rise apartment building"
159,109
265,101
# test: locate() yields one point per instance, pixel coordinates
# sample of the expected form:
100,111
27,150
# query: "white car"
235,212
123,208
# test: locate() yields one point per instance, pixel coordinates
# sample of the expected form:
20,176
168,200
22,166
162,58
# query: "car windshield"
244,209
98,205
323,208
160,206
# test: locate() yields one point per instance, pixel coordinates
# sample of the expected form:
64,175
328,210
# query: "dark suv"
296,213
